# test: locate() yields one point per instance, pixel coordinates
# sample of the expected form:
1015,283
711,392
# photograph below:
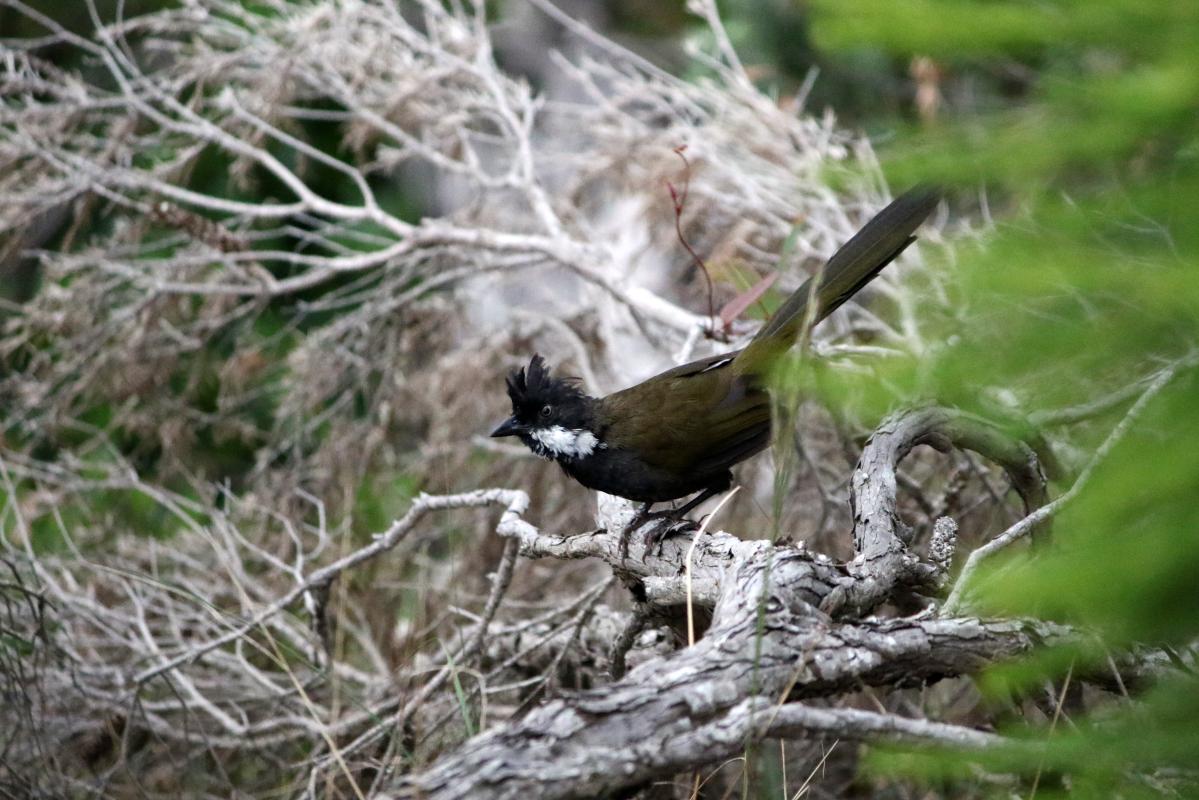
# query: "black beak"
509,427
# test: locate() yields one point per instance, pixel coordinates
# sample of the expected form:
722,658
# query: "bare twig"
515,501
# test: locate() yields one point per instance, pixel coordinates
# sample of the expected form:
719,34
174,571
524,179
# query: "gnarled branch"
882,558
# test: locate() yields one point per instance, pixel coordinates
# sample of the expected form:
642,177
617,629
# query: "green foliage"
972,30
1102,757
1127,550
379,497
1090,285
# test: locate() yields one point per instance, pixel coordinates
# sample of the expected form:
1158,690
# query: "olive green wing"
701,417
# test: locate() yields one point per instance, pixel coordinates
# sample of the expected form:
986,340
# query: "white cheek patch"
559,442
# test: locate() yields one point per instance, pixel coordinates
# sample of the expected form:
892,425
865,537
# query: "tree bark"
765,646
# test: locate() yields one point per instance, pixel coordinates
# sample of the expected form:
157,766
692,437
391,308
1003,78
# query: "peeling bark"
764,646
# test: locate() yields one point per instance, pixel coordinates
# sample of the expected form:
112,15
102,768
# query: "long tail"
853,266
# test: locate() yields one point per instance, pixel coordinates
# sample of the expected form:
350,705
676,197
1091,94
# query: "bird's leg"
643,516
711,491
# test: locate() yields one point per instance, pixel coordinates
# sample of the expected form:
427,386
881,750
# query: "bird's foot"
655,536
645,515
643,518
669,522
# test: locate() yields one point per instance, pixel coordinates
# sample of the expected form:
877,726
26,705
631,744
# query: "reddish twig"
680,201
735,307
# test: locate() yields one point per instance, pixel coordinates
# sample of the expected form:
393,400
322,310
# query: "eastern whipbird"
679,432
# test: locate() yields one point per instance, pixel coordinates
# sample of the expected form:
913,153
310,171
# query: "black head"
550,415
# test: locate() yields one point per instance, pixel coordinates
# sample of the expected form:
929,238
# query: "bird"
679,433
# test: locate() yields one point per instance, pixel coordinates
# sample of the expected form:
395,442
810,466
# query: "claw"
659,533
644,516
656,534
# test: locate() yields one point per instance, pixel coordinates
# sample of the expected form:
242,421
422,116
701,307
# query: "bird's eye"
546,410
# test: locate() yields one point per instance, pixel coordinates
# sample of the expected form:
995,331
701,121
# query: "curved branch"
882,557
722,736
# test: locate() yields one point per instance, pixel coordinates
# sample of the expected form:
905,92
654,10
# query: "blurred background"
166,415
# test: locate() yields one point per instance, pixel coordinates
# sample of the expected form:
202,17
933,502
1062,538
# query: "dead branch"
770,642
882,559
764,642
